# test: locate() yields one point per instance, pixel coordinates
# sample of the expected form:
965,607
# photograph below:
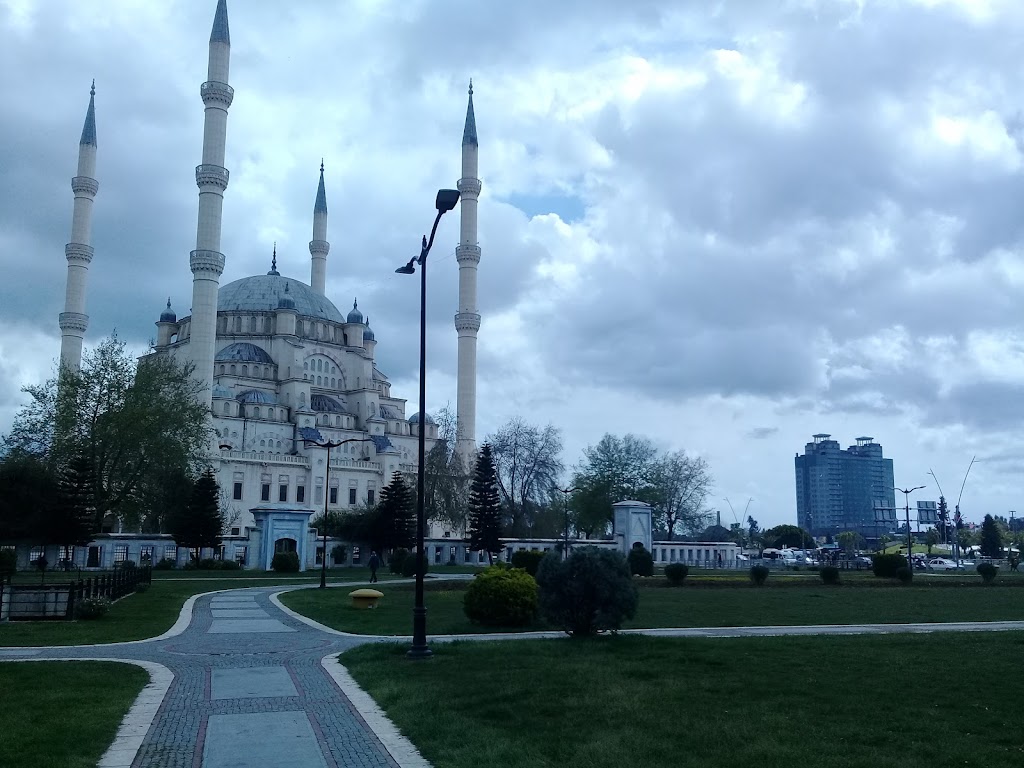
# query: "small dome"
286,301
368,332
222,392
168,316
415,419
243,352
355,316
257,397
327,404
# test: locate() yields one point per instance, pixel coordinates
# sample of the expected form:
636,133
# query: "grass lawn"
833,702
802,602
144,614
38,698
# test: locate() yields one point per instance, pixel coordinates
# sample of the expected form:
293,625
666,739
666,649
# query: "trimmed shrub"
396,563
8,562
230,565
641,562
676,572
501,597
904,574
208,564
409,565
528,560
886,566
590,591
165,564
125,565
142,586
92,608
987,571
829,574
285,562
759,575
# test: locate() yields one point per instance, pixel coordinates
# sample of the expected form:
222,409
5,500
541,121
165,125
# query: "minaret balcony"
73,321
216,94
317,247
78,254
85,186
207,262
465,253
467,321
469,187
212,176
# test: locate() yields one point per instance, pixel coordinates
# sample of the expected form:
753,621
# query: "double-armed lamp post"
446,201
906,497
328,444
566,493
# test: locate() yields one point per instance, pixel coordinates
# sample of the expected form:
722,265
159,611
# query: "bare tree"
445,479
527,459
680,486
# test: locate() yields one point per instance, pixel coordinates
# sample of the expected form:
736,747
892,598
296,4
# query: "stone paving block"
239,613
270,738
247,626
251,683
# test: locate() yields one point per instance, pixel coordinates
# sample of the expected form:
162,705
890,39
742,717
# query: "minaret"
73,320
207,261
318,246
467,321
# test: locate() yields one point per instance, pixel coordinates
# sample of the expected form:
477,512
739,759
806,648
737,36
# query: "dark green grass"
613,702
139,615
807,602
37,699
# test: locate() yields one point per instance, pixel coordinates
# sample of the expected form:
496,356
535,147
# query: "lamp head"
408,269
446,199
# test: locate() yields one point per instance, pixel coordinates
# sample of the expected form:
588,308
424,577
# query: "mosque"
280,366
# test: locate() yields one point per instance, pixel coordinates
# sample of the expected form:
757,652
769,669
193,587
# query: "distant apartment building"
844,490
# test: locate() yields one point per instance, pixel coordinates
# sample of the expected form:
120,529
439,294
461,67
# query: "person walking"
374,565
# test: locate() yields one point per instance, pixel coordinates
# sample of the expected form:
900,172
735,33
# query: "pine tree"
991,538
485,506
200,523
397,513
72,520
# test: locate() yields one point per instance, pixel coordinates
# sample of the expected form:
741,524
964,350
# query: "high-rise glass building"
843,490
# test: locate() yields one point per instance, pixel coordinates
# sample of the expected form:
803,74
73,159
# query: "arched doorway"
285,545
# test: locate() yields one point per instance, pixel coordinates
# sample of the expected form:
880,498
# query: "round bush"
590,591
886,566
409,565
165,564
759,575
676,572
397,560
829,574
528,560
92,608
904,574
285,562
641,562
987,571
501,597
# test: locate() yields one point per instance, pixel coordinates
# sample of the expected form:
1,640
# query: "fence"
56,602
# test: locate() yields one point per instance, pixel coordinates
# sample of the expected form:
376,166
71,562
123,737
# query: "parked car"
863,561
941,564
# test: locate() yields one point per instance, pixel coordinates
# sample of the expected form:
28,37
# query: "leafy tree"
616,469
754,532
931,538
200,523
850,541
991,538
528,465
445,480
485,507
787,536
72,520
131,420
679,486
28,487
396,509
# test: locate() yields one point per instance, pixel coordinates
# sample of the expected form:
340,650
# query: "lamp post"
328,444
445,201
565,541
906,497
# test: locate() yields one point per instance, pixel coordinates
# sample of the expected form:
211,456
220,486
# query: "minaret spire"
206,260
73,320
318,246
467,321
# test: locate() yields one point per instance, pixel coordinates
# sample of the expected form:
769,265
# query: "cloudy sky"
725,226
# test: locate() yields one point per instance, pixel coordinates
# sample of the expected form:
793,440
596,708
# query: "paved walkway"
249,689
256,685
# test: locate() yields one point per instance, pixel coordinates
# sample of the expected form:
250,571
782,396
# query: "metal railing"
57,601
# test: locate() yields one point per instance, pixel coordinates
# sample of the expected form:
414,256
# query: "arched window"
302,398
256,412
222,370
319,365
245,370
305,366
266,325
337,421
332,383
333,369
319,381
252,325
263,443
305,376
298,327
278,443
227,409
232,370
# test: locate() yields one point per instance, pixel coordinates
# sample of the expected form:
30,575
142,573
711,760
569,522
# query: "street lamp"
327,491
445,201
565,544
906,497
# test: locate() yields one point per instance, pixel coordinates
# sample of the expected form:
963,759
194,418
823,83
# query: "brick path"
248,690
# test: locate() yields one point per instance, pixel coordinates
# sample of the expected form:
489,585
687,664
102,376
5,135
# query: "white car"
941,564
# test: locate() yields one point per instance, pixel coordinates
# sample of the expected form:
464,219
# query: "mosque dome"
168,316
415,419
243,352
328,404
257,397
355,316
222,392
263,293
